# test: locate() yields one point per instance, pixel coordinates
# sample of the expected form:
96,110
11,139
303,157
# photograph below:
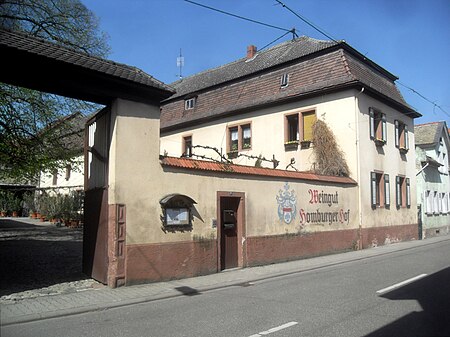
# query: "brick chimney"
251,51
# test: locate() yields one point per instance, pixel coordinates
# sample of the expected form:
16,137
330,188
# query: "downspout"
358,170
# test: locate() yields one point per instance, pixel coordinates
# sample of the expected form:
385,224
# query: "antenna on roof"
180,64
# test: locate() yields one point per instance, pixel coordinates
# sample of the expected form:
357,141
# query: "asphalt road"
350,299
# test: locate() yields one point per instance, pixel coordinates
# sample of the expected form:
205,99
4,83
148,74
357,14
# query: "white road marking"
398,285
278,328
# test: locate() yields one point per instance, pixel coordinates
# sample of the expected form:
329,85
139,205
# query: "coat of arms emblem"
287,204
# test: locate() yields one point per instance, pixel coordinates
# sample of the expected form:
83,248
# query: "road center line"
398,285
278,328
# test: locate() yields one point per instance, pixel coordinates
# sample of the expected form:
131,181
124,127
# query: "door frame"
241,228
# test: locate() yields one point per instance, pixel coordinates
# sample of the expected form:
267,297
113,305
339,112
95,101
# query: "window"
377,125
443,161
403,192
246,135
448,202
284,80
401,136
292,128
234,139
428,202
239,138
187,146
380,189
299,127
444,201
189,103
435,203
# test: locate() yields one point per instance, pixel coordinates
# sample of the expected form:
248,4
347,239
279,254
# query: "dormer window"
284,80
189,103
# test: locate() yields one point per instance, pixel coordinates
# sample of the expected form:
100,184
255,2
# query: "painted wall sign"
287,208
318,217
287,204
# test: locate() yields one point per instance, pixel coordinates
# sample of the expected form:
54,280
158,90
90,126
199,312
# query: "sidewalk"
51,306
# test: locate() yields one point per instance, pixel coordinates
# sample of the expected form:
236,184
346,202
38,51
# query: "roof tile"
50,50
429,133
202,165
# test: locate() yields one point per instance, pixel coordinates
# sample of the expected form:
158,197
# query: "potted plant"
305,144
16,206
291,145
44,202
29,203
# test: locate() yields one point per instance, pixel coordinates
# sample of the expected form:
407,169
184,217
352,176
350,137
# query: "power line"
294,34
311,24
426,99
307,21
239,17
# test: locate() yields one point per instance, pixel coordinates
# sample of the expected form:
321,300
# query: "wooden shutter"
426,202
448,202
408,193
371,123
308,122
396,134
387,197
373,188
383,128
405,137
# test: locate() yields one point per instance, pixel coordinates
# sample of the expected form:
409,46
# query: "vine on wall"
329,158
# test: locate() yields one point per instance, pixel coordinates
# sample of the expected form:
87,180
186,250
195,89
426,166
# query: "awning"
176,199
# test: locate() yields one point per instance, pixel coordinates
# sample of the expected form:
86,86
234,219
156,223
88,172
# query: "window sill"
403,150
232,154
291,146
379,142
305,144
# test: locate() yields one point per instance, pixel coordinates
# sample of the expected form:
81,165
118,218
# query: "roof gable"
350,68
429,134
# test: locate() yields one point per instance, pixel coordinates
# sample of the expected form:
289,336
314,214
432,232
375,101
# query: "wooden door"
229,232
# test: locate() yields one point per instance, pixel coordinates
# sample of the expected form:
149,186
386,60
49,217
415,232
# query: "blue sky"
409,38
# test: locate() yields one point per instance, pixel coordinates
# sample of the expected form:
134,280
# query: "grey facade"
433,180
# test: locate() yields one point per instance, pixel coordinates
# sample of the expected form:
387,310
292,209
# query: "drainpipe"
423,168
358,169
